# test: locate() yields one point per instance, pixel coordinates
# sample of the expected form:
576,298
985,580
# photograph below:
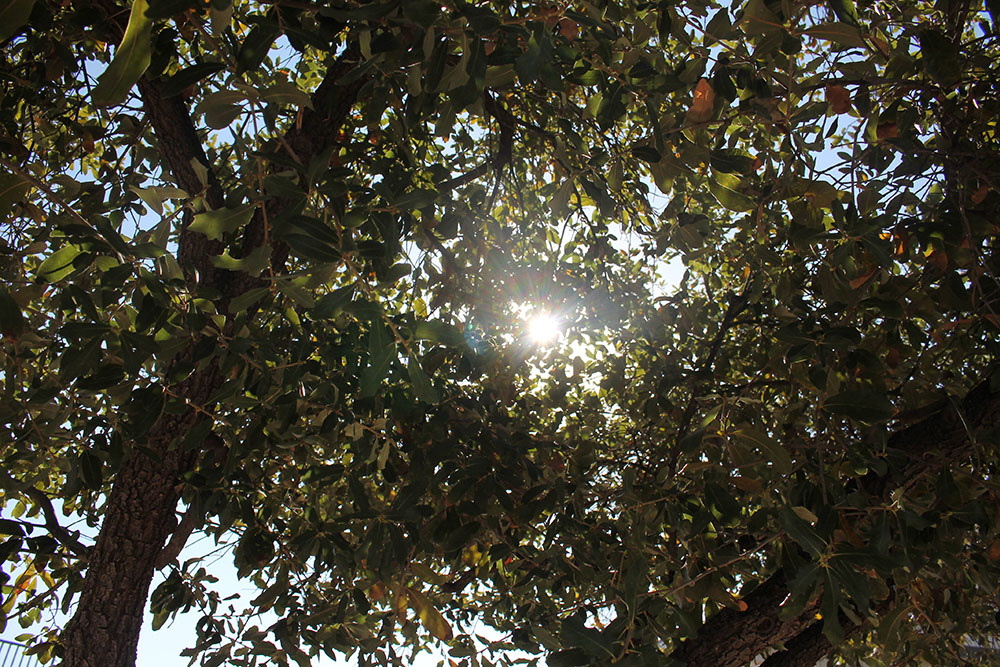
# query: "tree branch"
56,530
732,638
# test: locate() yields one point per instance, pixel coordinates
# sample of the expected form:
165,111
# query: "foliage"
264,267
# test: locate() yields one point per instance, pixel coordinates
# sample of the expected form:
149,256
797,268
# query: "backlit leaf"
130,61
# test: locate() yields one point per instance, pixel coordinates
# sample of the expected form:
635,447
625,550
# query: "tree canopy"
266,269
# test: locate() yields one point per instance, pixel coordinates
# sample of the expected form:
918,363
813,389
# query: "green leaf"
438,332
247,299
286,92
421,383
831,610
131,59
845,11
382,352
256,46
730,198
11,317
59,264
253,264
840,33
215,224
773,451
416,199
12,190
91,467
188,77
802,532
13,15
863,405
332,304
590,640
221,107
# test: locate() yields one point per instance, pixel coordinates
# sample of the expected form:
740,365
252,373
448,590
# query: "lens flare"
543,328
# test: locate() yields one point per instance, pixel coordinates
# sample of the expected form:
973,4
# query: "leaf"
189,76
841,33
382,352
430,617
332,304
13,15
131,59
845,11
702,105
802,532
256,46
421,383
221,107
253,264
91,470
730,198
286,92
12,190
590,640
805,514
11,317
215,224
59,264
774,452
437,331
863,405
839,99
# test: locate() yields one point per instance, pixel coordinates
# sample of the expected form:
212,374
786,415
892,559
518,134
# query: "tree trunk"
139,515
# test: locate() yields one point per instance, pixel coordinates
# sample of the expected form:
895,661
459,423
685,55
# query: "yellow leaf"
429,616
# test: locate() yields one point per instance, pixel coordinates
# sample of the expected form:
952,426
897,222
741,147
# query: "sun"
543,328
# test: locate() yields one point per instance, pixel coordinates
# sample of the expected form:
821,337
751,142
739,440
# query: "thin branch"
56,530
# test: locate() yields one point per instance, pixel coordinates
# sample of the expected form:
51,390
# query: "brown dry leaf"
886,131
747,483
376,592
939,260
569,28
839,99
743,606
994,554
979,195
861,280
703,105
892,358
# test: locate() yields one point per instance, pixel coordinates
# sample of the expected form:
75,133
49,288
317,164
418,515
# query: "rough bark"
804,650
730,637
139,514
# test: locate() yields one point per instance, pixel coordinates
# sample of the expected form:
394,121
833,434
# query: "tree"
264,270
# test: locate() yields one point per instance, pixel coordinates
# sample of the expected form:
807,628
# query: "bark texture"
940,438
732,638
139,514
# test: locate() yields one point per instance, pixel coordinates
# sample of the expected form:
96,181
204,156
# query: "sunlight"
543,328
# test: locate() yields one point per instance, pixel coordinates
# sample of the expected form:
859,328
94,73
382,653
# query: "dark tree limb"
139,514
736,638
804,650
732,638
56,530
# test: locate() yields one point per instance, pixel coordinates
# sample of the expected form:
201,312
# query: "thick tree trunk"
139,516
733,638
